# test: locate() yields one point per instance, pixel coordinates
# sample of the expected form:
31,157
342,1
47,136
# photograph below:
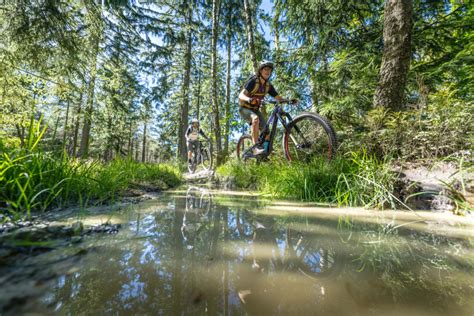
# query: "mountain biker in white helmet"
192,137
251,96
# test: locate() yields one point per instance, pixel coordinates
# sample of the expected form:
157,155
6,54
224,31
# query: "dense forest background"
124,78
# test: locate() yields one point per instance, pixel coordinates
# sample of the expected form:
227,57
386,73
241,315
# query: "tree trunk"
227,85
183,121
397,30
84,148
312,72
94,41
198,96
250,37
109,145
66,119
130,141
214,94
55,131
76,126
137,145
86,129
144,143
276,30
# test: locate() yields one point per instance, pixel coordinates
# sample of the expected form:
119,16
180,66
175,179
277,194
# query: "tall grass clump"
368,182
355,180
34,180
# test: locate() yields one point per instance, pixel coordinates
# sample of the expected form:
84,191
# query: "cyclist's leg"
258,123
255,119
246,114
191,148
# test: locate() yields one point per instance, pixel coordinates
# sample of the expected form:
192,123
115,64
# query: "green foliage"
34,180
369,182
360,180
444,127
328,55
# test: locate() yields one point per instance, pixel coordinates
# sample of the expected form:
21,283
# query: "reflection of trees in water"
284,247
131,272
278,259
406,266
237,259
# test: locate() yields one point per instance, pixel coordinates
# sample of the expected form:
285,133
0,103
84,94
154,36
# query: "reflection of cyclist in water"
198,203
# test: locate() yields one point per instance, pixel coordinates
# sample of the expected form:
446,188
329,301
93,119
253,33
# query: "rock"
77,228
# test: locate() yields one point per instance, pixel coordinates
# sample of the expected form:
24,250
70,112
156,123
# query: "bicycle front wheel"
244,144
192,165
309,137
206,158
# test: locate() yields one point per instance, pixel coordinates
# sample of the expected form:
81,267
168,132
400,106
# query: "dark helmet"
265,63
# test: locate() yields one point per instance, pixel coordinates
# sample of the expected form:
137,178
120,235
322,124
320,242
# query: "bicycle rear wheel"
244,143
309,137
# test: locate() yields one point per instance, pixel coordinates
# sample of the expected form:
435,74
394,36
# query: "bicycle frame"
278,114
197,152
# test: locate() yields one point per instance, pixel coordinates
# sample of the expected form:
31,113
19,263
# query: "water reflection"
198,205
194,253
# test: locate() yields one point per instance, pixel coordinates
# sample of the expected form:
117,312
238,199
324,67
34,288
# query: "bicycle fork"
297,129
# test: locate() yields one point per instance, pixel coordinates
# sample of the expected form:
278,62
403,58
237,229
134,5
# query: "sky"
267,7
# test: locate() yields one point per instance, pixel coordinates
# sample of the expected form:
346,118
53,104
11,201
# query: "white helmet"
265,63
194,120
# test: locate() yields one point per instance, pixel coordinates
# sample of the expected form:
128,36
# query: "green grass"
38,181
355,180
34,180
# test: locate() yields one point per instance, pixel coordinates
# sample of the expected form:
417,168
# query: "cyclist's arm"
249,85
272,92
243,96
280,99
188,131
202,133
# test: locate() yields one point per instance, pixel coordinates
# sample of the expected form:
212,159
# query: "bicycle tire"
192,165
308,136
206,158
244,143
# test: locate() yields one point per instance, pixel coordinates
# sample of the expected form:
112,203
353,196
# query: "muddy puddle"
196,251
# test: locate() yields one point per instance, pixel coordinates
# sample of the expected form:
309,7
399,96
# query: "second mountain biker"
192,137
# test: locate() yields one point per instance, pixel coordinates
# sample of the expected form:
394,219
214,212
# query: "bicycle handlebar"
283,101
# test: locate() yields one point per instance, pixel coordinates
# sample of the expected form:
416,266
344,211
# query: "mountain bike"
305,137
201,156
196,216
198,200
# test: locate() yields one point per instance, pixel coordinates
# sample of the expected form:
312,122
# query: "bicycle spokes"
309,136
